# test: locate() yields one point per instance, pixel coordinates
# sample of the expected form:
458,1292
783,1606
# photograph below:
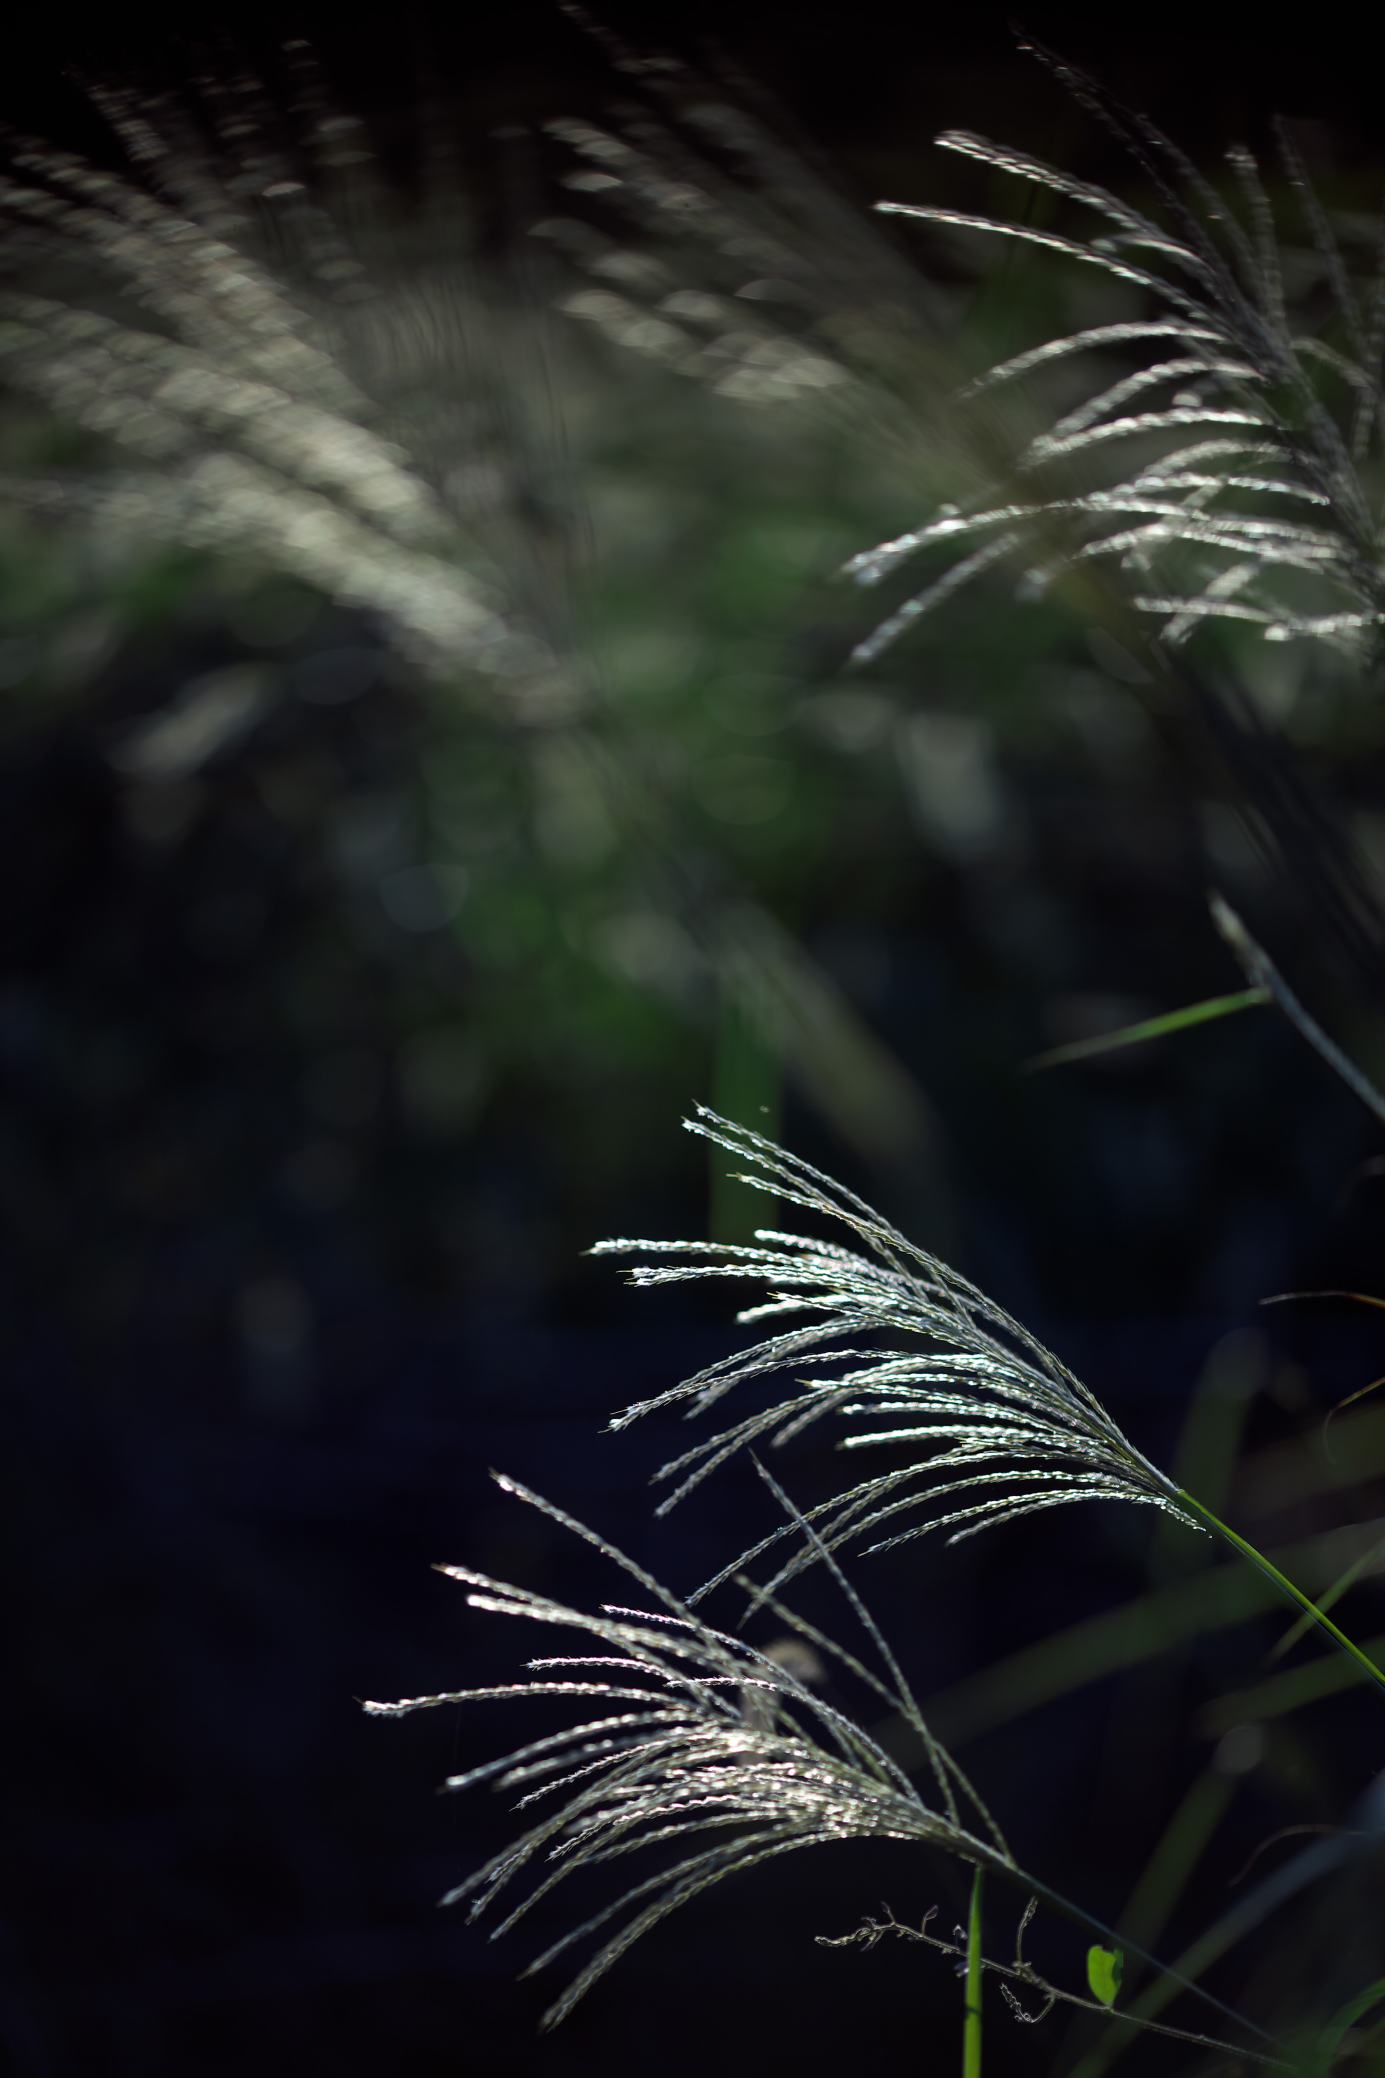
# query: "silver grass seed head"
692,1744
1262,508
992,1425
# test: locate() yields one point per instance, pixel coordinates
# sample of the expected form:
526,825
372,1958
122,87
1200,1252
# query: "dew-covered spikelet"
1254,436
695,1745
972,1399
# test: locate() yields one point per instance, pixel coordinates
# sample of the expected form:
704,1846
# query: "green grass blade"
1215,1598
1344,1580
1166,1876
971,2026
1150,1028
1342,2022
1282,1694
1176,1856
1290,1593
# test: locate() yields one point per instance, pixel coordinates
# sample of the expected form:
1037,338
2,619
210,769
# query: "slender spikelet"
969,1396
694,1745
1246,498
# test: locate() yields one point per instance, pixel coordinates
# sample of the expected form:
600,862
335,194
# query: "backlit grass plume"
694,1745
1252,434
713,1755
994,1425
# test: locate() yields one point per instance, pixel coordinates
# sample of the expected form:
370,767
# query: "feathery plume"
975,1399
1247,500
691,1741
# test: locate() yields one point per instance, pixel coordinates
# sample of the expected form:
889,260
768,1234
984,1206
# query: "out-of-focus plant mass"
509,597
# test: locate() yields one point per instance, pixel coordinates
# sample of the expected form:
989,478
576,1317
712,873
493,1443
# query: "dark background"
295,1185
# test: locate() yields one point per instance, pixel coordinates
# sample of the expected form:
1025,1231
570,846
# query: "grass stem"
971,2026
1286,1587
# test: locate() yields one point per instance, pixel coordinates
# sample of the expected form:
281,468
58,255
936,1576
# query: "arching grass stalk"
1286,1587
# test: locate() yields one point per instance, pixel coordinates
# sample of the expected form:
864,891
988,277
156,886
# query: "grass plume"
699,1742
1253,436
976,1400
995,1425
703,1742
